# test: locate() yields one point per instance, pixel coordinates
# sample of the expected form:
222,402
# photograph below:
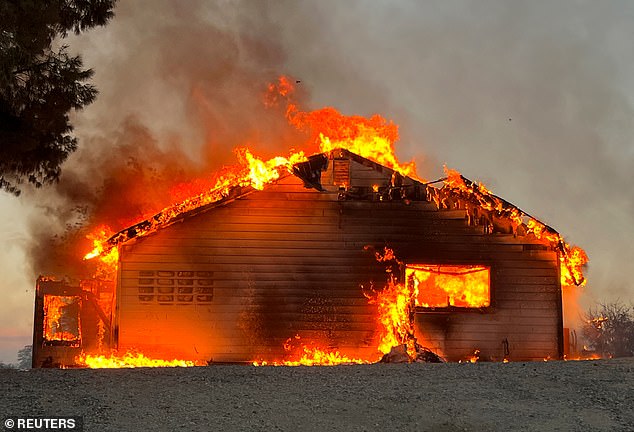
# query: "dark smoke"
181,85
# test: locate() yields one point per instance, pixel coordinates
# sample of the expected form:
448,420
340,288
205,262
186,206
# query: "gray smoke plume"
182,84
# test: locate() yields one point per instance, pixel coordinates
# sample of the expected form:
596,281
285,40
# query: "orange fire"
572,258
108,259
370,137
252,172
319,357
442,286
61,318
579,357
311,355
475,356
262,172
128,360
396,307
395,315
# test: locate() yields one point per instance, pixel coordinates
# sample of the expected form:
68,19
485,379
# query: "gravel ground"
545,396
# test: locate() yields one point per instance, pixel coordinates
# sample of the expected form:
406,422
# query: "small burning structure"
70,319
334,258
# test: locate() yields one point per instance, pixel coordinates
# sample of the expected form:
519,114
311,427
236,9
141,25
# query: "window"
175,287
441,286
61,320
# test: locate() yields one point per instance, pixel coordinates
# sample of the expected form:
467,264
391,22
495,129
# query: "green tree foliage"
40,84
609,329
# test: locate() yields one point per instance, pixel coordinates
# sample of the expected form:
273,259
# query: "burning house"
334,258
242,277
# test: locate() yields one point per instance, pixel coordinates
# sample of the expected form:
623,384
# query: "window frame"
47,321
450,308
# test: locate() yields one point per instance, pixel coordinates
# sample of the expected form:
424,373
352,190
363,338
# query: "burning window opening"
61,320
444,286
70,318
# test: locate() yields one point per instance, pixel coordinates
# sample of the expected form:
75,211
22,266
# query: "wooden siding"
290,260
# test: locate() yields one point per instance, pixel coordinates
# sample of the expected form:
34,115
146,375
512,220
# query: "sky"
535,99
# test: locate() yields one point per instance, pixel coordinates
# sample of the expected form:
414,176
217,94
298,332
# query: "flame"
583,357
395,309
311,355
60,322
319,357
442,286
475,356
108,257
370,137
262,172
128,360
572,259
97,236
252,172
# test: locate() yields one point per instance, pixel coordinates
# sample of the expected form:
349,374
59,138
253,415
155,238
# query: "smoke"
181,87
535,99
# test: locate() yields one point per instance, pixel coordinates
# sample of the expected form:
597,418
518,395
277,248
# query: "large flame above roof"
370,137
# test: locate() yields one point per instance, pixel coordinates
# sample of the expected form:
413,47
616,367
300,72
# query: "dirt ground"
542,396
